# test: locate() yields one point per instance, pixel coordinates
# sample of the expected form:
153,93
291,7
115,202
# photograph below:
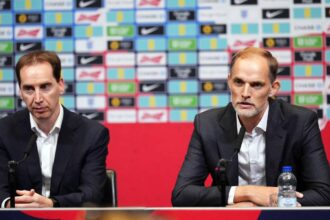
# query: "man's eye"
45,87
238,82
256,85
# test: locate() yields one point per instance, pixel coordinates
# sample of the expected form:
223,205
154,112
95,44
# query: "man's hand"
242,205
259,195
31,199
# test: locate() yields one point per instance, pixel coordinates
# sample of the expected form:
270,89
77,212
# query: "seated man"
66,165
277,134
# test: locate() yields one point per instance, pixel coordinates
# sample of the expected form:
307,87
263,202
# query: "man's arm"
92,176
314,172
189,189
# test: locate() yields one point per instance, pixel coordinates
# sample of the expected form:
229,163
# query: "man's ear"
276,85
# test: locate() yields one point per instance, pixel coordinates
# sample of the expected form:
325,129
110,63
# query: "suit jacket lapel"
226,142
275,139
32,162
64,150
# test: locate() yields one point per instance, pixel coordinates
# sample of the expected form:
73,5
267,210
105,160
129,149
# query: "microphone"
222,164
30,144
12,165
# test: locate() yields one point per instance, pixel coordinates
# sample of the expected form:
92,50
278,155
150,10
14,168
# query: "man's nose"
38,96
246,90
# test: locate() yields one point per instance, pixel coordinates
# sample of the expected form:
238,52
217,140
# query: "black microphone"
30,144
12,165
222,165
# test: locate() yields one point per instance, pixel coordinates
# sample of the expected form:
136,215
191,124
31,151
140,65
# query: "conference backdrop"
145,68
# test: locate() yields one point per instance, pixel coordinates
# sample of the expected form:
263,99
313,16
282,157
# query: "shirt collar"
262,123
56,127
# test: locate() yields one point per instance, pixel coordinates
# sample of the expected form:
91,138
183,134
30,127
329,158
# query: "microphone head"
32,140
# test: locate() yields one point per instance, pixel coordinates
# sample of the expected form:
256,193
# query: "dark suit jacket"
78,175
292,138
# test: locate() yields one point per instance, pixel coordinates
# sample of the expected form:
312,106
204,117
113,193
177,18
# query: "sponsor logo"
119,4
310,85
88,102
213,29
306,27
284,71
213,86
282,13
88,18
120,31
244,2
28,18
90,73
6,47
121,102
6,33
327,12
58,4
5,4
308,56
150,16
6,61
213,72
7,89
213,57
89,59
211,15
183,72
182,44
121,116
308,99
241,43
90,45
121,87
152,73
32,32
181,15
127,45
88,3
277,42
28,46
151,58
308,42
67,60
146,87
282,56
7,103
120,59
59,32
144,3
152,115
183,101
151,30
69,88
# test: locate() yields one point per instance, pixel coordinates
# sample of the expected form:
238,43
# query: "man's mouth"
245,104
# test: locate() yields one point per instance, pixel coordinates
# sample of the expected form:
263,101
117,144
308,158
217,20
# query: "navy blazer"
292,138
78,176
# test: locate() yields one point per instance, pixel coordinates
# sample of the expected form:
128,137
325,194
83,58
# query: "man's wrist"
55,202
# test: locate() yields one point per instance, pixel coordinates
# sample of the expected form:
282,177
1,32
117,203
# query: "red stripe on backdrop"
147,159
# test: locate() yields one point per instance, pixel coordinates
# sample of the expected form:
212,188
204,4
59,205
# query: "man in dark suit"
66,166
277,134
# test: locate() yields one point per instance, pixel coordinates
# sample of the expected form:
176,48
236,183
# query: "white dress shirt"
251,158
46,144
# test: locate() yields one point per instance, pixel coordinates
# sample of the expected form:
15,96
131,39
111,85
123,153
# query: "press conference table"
138,213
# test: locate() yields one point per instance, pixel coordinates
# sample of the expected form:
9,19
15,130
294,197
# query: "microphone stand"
222,180
12,165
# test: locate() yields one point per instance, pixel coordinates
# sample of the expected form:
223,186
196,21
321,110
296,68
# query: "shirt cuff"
231,195
3,204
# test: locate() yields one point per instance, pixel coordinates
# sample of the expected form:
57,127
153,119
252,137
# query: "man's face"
250,86
40,91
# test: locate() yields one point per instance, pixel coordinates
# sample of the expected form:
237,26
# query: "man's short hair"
251,51
37,57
